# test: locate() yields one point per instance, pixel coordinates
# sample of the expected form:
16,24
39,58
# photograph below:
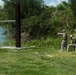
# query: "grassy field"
37,61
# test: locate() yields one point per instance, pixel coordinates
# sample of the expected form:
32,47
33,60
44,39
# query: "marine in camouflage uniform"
64,40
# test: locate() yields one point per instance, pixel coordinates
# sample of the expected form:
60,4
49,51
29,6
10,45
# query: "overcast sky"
53,2
47,2
1,3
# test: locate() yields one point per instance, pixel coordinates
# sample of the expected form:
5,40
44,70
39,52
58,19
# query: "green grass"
37,61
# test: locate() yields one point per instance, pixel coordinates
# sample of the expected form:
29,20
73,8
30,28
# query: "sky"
1,3
53,2
47,2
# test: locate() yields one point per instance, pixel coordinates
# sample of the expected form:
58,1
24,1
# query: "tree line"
39,19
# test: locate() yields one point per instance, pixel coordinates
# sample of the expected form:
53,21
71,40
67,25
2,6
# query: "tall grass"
49,42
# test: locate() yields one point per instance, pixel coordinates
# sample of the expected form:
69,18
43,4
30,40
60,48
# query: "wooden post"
18,26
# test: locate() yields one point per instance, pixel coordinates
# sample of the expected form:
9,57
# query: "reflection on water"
3,36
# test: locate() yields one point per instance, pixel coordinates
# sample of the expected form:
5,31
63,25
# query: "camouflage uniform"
64,40
72,43
74,37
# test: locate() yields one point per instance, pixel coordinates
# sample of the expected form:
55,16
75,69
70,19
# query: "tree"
73,7
3,16
28,8
40,26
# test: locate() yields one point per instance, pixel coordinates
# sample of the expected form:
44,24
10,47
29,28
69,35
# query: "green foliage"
48,42
39,26
51,21
73,7
39,20
28,8
3,16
